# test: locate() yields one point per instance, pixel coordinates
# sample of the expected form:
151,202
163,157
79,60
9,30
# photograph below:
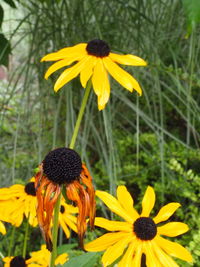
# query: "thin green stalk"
72,143
25,240
11,241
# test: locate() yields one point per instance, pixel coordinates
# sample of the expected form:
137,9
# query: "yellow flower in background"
67,219
16,201
2,228
93,60
38,258
139,235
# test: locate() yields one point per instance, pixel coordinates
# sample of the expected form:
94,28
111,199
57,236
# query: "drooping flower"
16,201
38,258
95,61
138,235
62,167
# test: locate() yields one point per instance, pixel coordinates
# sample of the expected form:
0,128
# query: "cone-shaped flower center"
98,48
18,261
62,209
30,189
62,165
145,228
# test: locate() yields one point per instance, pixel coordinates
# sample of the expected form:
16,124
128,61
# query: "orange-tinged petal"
113,225
60,64
114,205
121,76
173,229
87,71
70,74
104,241
128,256
101,83
126,201
116,250
66,52
164,259
148,201
166,212
127,59
174,249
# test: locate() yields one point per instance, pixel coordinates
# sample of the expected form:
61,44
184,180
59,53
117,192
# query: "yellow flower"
38,258
2,228
139,235
94,60
17,201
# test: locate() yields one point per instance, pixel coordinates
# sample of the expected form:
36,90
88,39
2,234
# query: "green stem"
72,143
25,240
11,241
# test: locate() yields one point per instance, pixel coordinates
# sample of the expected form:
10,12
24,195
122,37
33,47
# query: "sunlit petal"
148,201
151,258
137,257
87,71
113,225
127,59
128,255
166,212
173,229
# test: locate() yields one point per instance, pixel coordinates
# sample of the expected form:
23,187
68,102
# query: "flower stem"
11,241
72,143
25,240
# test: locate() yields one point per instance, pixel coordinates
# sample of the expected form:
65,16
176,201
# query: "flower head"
139,235
95,61
16,201
63,167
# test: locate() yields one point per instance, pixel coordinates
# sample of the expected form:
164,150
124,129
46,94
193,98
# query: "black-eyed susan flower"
139,235
62,167
38,258
67,219
93,60
2,228
16,201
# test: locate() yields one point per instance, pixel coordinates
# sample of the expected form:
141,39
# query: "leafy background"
136,141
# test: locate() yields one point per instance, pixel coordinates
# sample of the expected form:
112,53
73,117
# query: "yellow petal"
65,228
78,49
174,249
87,71
113,225
128,256
127,59
70,74
126,201
60,64
166,212
121,76
173,229
148,201
115,251
61,259
164,259
104,241
101,83
114,205
151,259
137,257
2,228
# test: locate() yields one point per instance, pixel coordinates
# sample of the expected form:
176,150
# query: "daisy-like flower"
2,228
95,61
139,235
38,258
62,168
16,201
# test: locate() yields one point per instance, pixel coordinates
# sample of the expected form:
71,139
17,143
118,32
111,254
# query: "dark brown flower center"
98,48
62,165
30,189
18,261
145,228
62,209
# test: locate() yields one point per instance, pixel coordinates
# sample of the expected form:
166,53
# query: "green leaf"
5,50
10,3
85,260
192,9
1,15
65,248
